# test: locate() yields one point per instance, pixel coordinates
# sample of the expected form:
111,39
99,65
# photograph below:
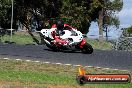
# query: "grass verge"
100,45
22,74
20,38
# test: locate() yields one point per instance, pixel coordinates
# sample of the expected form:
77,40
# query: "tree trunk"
100,22
31,34
33,37
106,33
42,42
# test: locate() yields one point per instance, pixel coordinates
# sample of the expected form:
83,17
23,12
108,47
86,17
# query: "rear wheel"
87,49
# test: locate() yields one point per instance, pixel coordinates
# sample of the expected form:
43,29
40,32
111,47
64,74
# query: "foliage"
80,12
5,10
124,41
111,8
129,30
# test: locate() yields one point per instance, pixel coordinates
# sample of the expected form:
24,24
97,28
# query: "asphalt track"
102,58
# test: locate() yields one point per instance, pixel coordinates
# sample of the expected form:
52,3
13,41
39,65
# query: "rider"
59,27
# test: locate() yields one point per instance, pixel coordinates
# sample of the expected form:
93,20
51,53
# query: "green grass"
14,74
36,77
19,38
100,45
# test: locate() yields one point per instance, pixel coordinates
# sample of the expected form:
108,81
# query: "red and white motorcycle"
74,41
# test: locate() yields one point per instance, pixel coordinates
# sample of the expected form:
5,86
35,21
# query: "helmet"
60,25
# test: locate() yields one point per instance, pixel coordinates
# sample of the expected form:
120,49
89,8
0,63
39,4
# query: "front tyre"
87,49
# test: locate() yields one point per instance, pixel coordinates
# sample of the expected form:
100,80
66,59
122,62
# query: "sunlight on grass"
100,45
19,38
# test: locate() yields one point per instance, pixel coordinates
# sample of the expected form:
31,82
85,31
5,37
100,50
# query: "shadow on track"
64,51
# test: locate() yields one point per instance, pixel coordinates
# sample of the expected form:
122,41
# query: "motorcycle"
74,41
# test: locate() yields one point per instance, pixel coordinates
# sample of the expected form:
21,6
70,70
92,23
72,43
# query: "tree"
27,10
107,15
129,30
77,11
80,12
5,9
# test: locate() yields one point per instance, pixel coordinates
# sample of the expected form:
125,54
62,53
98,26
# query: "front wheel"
87,49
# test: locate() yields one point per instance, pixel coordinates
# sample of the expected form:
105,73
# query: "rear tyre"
87,49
